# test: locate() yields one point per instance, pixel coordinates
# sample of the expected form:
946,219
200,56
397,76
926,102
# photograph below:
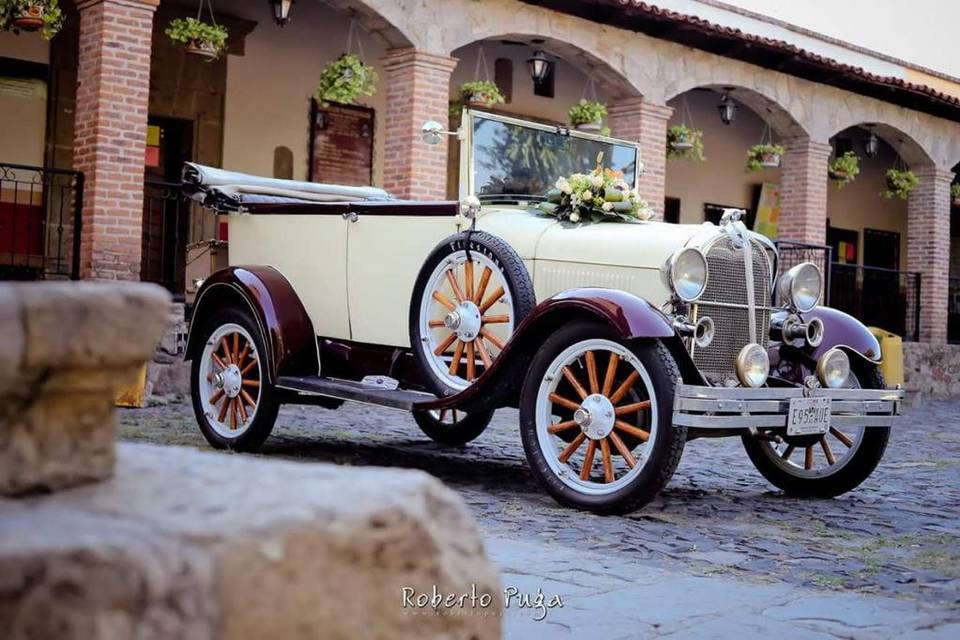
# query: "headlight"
685,273
800,287
753,365
833,369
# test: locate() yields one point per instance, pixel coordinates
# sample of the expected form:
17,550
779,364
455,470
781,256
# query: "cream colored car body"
356,279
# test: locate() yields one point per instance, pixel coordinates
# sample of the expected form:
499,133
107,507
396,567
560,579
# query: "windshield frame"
467,186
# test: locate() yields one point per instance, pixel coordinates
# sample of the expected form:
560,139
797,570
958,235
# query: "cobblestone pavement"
718,553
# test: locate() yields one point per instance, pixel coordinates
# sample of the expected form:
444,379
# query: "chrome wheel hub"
467,321
230,381
595,417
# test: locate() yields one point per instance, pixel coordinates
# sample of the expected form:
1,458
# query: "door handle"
351,216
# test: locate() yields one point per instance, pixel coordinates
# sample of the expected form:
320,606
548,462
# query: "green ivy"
844,169
344,80
480,91
900,183
757,151
955,191
191,30
587,112
682,133
10,10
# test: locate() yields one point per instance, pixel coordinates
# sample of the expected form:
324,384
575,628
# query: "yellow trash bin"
131,394
891,347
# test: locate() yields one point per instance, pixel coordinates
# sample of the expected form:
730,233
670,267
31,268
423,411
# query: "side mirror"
432,132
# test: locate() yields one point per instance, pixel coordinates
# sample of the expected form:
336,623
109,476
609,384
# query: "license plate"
808,416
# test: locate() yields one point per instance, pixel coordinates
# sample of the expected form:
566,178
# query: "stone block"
65,349
191,544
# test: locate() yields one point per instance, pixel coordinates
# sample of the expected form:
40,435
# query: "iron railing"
166,225
953,310
40,222
884,298
793,253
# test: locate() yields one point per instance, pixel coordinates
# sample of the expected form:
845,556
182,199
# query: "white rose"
645,214
596,181
607,206
586,196
563,185
574,217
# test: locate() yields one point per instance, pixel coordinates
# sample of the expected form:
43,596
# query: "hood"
640,245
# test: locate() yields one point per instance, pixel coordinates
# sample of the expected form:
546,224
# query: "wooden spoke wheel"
821,465
234,403
470,296
596,418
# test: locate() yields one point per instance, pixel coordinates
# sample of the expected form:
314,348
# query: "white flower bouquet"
599,196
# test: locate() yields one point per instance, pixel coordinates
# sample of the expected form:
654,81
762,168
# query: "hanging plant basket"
844,169
44,16
481,93
900,183
344,80
955,194
587,115
207,41
764,156
684,142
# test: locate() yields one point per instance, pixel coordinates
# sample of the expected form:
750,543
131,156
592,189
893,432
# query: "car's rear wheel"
234,403
823,466
452,426
596,418
472,292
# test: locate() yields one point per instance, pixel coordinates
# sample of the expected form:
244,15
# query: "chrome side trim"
767,407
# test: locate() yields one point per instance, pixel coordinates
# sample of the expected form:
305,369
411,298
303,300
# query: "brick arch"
909,149
607,78
385,20
759,100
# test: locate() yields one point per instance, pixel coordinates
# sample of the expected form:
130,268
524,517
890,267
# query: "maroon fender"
843,330
630,316
284,323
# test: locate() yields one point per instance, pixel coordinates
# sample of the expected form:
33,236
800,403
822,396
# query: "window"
503,77
544,88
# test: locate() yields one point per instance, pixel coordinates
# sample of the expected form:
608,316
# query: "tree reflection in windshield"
519,160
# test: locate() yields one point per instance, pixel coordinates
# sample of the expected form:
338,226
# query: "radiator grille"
727,284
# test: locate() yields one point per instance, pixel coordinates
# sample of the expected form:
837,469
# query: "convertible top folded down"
230,190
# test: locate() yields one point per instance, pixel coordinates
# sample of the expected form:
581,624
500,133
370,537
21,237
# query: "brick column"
646,123
803,191
113,87
418,89
928,249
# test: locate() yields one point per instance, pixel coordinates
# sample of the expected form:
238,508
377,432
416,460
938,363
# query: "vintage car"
617,342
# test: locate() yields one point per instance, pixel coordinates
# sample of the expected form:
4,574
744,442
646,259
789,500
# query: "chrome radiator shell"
727,303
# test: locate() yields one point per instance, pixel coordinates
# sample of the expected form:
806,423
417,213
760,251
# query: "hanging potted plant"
346,79
44,16
955,194
900,182
480,93
843,169
201,39
587,115
764,156
684,142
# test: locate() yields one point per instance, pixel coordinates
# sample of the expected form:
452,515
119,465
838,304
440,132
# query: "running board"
355,391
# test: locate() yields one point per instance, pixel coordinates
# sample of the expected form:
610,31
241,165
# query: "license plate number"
808,416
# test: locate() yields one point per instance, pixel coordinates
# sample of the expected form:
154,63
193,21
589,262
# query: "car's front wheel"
595,418
234,403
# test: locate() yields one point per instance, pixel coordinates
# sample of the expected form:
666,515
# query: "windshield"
525,161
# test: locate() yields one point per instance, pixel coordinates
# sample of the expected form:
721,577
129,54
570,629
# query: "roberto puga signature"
456,603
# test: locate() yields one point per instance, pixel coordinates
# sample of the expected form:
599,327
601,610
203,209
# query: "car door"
386,246
310,250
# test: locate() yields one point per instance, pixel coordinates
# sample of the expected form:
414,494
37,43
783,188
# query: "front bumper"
767,407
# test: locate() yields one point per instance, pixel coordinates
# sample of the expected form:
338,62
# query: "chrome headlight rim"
670,271
748,371
827,368
788,288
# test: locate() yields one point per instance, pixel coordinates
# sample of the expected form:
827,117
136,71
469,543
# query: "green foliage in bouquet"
900,183
844,169
598,196
587,112
482,91
757,153
346,79
190,31
684,142
48,11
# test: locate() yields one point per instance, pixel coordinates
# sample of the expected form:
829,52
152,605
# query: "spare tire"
472,292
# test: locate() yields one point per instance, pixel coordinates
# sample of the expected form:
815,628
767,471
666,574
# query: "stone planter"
65,348
681,144
202,49
30,19
592,127
478,100
770,160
